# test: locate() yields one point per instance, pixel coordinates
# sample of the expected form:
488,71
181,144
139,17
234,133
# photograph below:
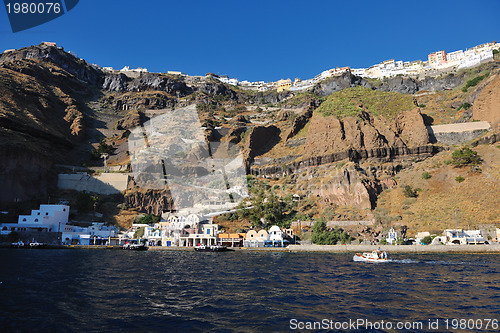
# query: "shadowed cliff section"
42,117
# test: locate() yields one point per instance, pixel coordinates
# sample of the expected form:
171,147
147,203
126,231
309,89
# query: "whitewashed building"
255,238
49,218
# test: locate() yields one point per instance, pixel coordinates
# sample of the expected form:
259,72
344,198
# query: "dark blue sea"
176,291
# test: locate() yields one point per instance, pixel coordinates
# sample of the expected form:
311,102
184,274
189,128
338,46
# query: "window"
24,220
38,213
208,231
36,220
64,209
47,213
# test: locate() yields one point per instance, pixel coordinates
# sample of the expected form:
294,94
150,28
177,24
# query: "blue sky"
261,40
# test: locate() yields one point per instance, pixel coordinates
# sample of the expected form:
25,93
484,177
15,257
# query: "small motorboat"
18,244
135,247
211,248
34,244
371,256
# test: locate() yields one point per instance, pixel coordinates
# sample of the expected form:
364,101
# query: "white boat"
211,248
371,256
35,244
135,246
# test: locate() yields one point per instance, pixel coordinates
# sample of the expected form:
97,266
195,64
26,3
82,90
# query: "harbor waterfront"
243,291
342,248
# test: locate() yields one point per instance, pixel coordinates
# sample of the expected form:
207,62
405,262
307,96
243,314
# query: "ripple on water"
95,291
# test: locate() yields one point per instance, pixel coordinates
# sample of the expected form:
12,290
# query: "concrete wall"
105,183
452,134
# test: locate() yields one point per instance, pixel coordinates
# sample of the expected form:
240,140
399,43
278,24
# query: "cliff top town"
436,63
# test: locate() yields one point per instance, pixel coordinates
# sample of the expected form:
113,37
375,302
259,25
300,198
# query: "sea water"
179,291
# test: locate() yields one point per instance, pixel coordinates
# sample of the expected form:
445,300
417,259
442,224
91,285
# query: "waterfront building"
255,238
392,236
48,218
276,238
231,239
54,219
95,233
205,234
462,237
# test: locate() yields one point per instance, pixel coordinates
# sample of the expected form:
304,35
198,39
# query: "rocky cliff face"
331,135
349,186
396,84
259,139
150,100
73,65
411,86
41,117
145,82
149,201
26,172
487,104
337,83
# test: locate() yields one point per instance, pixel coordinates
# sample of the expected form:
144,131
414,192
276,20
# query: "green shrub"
85,202
103,148
473,82
426,175
409,192
426,240
322,236
459,179
149,219
495,51
139,232
464,106
465,156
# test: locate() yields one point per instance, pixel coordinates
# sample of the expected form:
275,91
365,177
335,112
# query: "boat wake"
404,261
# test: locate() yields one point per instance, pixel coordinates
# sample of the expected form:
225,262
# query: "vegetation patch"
473,82
409,192
465,157
426,175
322,236
352,101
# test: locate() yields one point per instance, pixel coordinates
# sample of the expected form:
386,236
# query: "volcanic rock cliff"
41,119
339,144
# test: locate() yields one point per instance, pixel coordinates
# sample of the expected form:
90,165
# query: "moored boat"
371,256
211,248
135,247
34,244
18,244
